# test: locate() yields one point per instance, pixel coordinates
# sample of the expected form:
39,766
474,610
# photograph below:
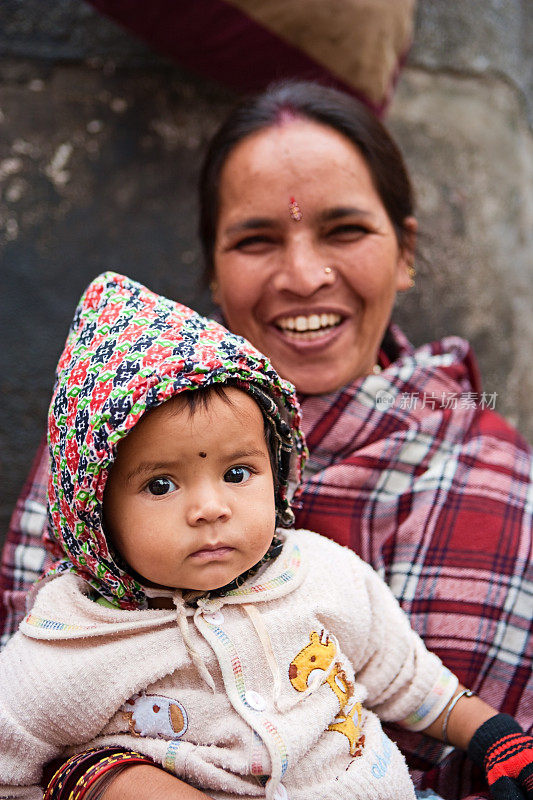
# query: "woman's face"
320,327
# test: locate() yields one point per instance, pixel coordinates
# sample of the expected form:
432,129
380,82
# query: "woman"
308,231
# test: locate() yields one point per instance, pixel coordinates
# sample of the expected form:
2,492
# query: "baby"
182,624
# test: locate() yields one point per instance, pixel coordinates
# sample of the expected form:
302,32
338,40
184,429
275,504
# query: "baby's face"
189,502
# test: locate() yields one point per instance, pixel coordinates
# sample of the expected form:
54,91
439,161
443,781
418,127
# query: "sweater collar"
64,609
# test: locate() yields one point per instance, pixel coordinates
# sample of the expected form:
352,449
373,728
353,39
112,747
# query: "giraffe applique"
319,654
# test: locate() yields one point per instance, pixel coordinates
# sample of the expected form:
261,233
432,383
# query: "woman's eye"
159,486
237,475
253,242
348,231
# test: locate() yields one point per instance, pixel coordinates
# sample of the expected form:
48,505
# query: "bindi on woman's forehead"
202,454
295,212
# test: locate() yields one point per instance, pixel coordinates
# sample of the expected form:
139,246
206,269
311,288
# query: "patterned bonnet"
129,350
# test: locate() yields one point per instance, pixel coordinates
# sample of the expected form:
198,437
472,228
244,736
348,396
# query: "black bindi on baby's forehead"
202,454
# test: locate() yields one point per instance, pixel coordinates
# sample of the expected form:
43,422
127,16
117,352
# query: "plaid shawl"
414,471
433,489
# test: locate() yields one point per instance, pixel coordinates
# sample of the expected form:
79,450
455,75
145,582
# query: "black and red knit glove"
505,753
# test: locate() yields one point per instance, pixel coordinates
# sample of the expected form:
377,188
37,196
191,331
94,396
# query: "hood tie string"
260,628
198,661
321,676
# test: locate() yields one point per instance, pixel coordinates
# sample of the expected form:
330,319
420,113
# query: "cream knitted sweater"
275,689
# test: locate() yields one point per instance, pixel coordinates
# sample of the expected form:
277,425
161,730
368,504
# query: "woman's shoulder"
430,390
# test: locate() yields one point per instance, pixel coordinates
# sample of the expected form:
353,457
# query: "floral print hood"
129,350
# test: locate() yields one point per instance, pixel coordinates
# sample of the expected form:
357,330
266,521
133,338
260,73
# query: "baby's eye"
237,475
159,486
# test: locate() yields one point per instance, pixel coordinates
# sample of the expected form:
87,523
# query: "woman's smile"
309,331
306,323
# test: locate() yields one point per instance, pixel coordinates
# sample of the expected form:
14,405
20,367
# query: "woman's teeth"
313,322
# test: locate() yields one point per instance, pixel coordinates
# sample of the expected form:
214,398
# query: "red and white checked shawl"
438,499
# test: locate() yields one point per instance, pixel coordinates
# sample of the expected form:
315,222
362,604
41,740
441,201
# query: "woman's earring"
213,288
411,271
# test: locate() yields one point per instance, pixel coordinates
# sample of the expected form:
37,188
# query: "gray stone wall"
100,142
463,113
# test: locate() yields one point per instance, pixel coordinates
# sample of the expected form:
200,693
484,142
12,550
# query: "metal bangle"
464,693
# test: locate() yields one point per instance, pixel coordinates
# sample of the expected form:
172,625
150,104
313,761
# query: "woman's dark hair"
327,106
